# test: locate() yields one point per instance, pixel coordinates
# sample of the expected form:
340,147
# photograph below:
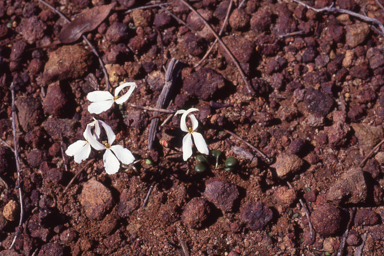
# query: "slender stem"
77,174
151,109
147,6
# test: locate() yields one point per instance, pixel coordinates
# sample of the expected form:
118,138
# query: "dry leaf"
85,22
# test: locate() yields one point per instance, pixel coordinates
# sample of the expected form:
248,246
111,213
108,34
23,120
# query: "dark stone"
221,193
128,203
353,238
55,101
162,20
326,220
366,217
51,249
203,83
196,22
317,102
127,3
346,4
194,44
116,32
36,157
296,146
261,20
309,55
30,112
260,86
238,19
195,213
256,215
361,72
240,47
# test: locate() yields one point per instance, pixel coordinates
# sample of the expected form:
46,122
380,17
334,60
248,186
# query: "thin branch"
291,34
5,185
178,20
373,151
148,194
359,250
340,252
151,109
266,159
220,32
241,4
354,14
85,39
147,7
18,169
7,145
312,232
379,4
62,153
77,174
246,82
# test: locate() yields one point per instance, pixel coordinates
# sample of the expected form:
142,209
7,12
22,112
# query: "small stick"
166,120
241,4
85,39
246,83
177,19
266,159
148,194
340,252
147,6
220,32
354,14
379,4
373,151
77,174
18,169
307,215
359,250
151,109
62,153
183,246
291,34
7,145
4,183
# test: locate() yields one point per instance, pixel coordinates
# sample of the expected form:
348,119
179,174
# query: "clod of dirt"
287,164
16,55
256,215
156,80
366,217
351,188
142,18
162,20
168,213
347,4
331,244
5,156
310,196
30,112
127,3
128,203
221,193
36,157
260,86
3,220
31,29
68,236
11,210
337,133
317,103
69,61
35,228
353,238
9,253
326,219
116,32
284,196
96,199
238,19
195,22
240,47
195,213
361,72
56,128
203,83
193,44
54,174
261,20
377,232
35,66
51,249
375,57
367,135
55,100
137,119
356,34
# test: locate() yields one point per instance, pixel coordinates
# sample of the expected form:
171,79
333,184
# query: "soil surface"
314,105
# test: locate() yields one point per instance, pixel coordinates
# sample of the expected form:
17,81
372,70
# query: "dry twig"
5,185
241,4
151,109
373,151
77,174
340,252
177,19
18,169
220,32
359,250
148,194
147,6
106,77
246,82
7,145
354,14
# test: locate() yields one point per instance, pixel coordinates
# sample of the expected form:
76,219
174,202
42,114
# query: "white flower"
82,148
197,137
103,100
113,153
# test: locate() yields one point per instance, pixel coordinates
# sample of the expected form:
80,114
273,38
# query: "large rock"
221,193
203,83
96,199
326,220
356,34
195,213
256,215
287,164
30,112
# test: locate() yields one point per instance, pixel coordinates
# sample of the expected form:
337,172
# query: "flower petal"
200,143
97,96
126,96
95,123
94,142
187,146
194,121
180,111
75,147
100,106
124,155
82,154
110,134
111,164
183,121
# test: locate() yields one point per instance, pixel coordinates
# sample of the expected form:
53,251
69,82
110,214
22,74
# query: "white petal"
194,121
75,147
200,143
82,154
110,134
180,111
99,96
187,146
183,121
95,143
95,123
126,96
100,106
124,155
88,131
111,164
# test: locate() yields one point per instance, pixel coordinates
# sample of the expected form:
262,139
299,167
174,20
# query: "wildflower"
200,143
113,153
82,148
103,100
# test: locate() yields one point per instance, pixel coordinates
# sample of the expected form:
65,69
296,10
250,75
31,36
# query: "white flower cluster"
102,101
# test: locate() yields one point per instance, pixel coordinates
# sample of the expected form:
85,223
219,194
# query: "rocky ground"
314,106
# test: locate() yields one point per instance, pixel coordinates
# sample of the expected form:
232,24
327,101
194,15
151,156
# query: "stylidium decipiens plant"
103,100
200,143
